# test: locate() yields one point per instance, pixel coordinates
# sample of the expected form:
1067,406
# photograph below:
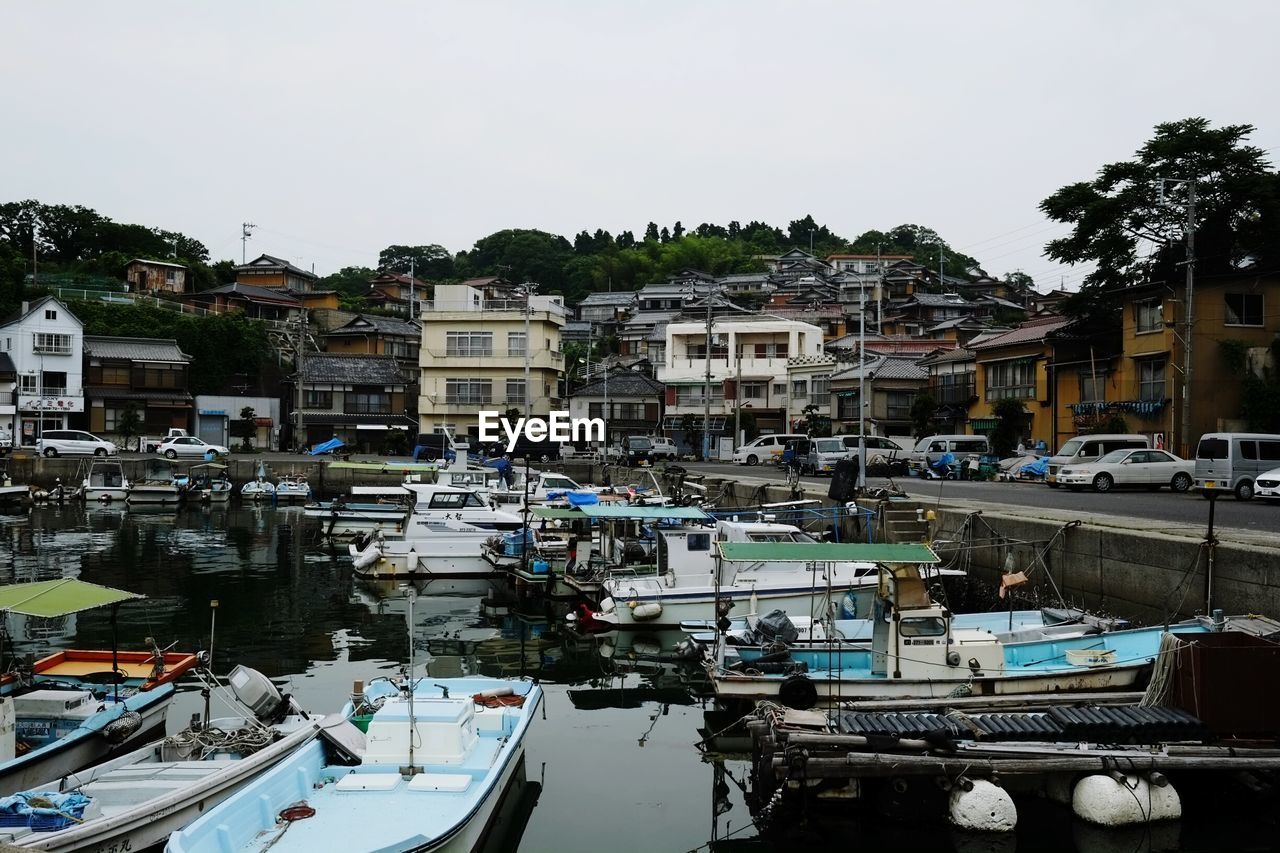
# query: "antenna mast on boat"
411,593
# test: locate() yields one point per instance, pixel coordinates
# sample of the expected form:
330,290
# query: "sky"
340,128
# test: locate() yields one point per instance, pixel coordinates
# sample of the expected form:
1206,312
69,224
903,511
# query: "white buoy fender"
368,557
493,692
608,606
645,612
983,808
1105,801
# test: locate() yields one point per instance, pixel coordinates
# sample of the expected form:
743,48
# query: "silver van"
1091,448
930,449
1231,461
766,449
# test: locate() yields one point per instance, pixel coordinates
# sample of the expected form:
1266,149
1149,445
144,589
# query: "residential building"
218,417
150,375
8,397
145,276
1085,394
392,291
276,274
45,342
259,303
1235,313
628,400
926,310
662,296
577,332
474,353
355,398
809,384
373,334
892,385
748,363
953,386
606,309
1012,366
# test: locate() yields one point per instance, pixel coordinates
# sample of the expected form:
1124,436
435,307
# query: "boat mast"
411,594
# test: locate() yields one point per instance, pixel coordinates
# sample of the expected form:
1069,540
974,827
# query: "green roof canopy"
556,512
827,552
650,513
60,597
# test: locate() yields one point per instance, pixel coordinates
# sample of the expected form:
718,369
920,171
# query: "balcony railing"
367,410
953,394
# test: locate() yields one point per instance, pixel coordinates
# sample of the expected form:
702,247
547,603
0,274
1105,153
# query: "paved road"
1169,511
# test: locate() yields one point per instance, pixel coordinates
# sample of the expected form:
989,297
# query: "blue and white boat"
438,758
917,651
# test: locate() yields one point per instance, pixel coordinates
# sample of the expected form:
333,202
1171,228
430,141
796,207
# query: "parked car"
189,445
1084,449
930,449
151,443
1233,461
1267,486
1152,469
649,447
433,446
766,448
824,453
73,442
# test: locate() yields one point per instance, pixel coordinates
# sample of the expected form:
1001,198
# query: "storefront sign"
31,403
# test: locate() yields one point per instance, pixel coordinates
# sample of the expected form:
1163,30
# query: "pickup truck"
149,443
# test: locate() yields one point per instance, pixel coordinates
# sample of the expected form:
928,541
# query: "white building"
749,356
46,345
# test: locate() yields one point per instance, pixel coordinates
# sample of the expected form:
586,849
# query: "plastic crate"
12,819
44,820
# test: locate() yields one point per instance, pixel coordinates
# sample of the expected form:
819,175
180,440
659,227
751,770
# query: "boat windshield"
780,536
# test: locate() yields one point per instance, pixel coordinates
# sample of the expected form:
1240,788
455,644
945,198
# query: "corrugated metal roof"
362,324
1029,332
134,349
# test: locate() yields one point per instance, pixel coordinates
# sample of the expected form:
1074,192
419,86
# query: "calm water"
615,755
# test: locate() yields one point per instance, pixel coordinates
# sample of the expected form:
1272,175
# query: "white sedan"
1152,469
1267,486
189,445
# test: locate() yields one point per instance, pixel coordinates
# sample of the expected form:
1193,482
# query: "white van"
930,449
766,448
1231,461
1091,448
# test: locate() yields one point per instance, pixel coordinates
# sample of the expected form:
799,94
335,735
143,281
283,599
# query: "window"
1093,386
52,344
1212,448
111,418
799,389
317,399
55,383
1243,309
821,386
1269,450
699,541
160,377
1014,379
170,277
595,410
50,314
1148,316
368,403
515,391
1151,379
109,374
753,390
468,391
847,408
1248,450
779,389
770,350
922,626
29,384
516,343
468,344
689,395
899,405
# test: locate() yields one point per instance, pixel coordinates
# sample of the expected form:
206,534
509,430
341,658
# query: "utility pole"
246,231
1190,317
528,389
35,265
879,287
940,282
411,260
298,359
737,395
862,392
706,393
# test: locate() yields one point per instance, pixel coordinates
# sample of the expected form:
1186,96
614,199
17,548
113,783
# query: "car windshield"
1114,457
830,445
1070,448
639,443
1212,448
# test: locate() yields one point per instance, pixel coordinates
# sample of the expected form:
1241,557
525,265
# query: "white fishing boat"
138,799
105,481
209,483
158,486
438,757
368,509
259,488
293,487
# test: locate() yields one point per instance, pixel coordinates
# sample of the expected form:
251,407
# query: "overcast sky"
339,128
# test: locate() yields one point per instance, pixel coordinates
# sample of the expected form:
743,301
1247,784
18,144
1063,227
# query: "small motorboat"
293,487
159,485
259,488
105,482
209,483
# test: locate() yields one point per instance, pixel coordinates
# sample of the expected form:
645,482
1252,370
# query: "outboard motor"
255,691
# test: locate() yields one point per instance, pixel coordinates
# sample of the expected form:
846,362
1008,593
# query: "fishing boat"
259,488
917,651
369,509
158,486
209,483
105,481
138,799
75,707
293,487
438,758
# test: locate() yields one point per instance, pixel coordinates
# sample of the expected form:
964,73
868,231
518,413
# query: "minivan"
930,449
650,447
1231,461
73,442
824,453
1090,448
766,448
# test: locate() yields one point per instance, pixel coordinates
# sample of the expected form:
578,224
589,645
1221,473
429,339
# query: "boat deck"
124,788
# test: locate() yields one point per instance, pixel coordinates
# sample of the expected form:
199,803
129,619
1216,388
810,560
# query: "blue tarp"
326,446
1039,468
582,498
945,460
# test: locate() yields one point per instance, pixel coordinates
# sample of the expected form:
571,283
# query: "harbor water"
614,766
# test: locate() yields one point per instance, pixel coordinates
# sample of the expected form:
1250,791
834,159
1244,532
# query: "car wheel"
1244,491
753,460
100,452
50,453
1180,482
1103,483
171,454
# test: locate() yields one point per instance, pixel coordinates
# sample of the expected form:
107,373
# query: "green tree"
651,232
814,424
1011,424
1129,223
248,426
923,408
432,261
129,424
349,281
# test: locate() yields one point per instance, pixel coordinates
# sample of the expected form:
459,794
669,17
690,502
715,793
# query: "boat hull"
682,606
154,495
442,558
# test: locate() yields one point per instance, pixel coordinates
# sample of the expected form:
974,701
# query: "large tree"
428,262
1130,220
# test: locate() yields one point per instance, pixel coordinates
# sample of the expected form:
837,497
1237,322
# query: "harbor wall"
1132,573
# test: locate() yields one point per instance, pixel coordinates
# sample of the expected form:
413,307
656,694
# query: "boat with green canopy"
74,707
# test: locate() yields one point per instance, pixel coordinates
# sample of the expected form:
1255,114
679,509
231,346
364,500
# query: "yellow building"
1239,308
1013,366
473,358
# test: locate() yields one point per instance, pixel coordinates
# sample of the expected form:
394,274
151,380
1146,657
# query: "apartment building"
45,342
